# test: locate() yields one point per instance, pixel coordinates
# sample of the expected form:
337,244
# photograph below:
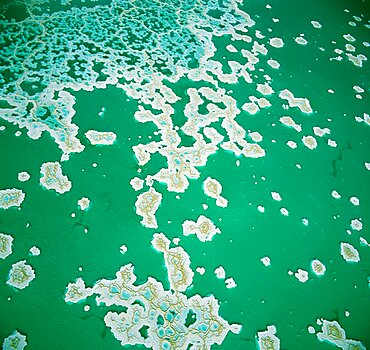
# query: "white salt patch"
84,203
301,41
335,194
284,211
276,42
276,196
309,141
316,24
305,221
23,176
220,272
230,283
35,251
274,64
231,48
301,275
266,261
349,37
356,224
291,144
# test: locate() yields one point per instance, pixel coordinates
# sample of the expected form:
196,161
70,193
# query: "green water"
264,295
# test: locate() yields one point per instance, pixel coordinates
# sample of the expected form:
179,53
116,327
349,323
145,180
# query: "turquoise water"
264,295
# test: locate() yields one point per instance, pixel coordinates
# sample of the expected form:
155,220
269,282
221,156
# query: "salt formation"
100,138
52,177
15,341
302,103
84,203
267,340
318,267
23,176
203,228
333,333
11,198
20,275
6,242
146,205
164,314
213,189
349,252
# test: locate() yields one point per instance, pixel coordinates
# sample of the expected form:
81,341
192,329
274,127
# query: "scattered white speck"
284,211
205,206
18,133
123,249
311,330
335,194
266,261
305,221
354,200
276,196
346,313
201,270
292,144
176,240
332,143
86,308
261,209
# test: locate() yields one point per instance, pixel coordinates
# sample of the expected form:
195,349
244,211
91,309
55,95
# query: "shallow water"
305,179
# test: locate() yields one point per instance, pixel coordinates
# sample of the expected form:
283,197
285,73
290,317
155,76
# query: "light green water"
263,295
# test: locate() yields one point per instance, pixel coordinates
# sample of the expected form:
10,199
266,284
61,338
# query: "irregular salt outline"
101,137
267,340
333,333
53,179
6,244
203,228
12,197
21,275
147,204
15,341
149,302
